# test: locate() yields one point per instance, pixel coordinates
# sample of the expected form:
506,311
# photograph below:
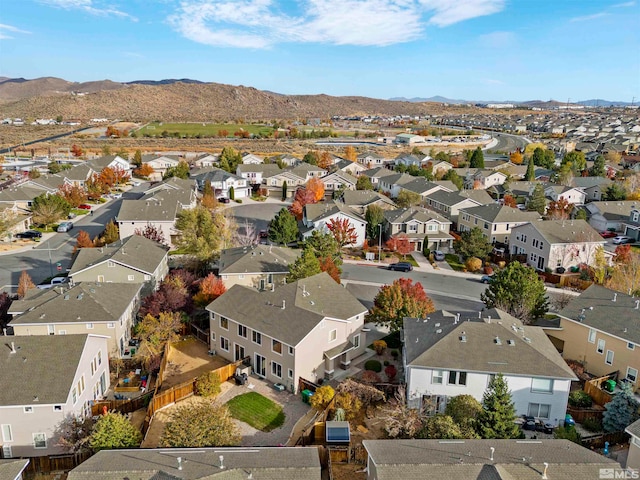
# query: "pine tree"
496,419
283,228
477,159
137,158
531,174
284,190
620,412
305,266
537,202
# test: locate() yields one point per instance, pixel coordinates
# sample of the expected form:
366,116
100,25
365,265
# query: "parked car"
438,255
65,226
84,206
29,234
401,267
486,278
608,234
622,239
71,215
223,200
54,281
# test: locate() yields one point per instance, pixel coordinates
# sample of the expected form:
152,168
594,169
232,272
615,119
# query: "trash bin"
306,394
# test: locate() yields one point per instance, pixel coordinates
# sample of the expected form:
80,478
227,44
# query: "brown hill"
12,89
199,102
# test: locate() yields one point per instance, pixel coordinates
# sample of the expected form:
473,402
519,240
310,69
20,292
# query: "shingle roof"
439,346
634,429
306,302
43,367
495,213
135,251
480,196
265,463
363,198
103,162
85,302
318,211
11,469
20,194
472,459
257,259
398,179
160,205
212,174
448,198
403,215
378,172
588,182
566,231
598,310
265,168
614,210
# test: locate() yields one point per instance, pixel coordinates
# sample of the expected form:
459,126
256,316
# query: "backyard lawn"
258,411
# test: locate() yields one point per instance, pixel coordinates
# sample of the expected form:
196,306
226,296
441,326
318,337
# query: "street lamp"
380,243
50,263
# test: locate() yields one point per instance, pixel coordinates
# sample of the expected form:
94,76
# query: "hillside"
13,89
198,102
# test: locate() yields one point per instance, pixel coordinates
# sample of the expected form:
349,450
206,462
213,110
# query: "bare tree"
245,235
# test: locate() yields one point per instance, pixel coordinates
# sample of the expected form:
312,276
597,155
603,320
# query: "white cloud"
262,23
586,18
624,5
492,81
89,7
9,28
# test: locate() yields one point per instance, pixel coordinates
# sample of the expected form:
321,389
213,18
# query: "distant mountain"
167,81
598,102
18,88
528,103
436,99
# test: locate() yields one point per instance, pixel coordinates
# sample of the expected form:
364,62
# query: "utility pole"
380,244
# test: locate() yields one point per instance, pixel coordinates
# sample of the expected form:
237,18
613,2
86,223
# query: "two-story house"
392,184
306,329
556,243
45,379
106,309
360,200
251,159
593,187
610,215
307,171
254,174
631,227
316,217
204,160
115,162
221,182
601,329
573,195
337,181
371,160
417,224
495,221
424,187
449,204
447,355
135,259
376,173
257,266
352,168
160,164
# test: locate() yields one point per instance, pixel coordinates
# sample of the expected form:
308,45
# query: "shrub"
322,397
473,264
580,399
379,346
239,200
592,424
568,433
391,372
208,384
373,366
386,363
394,354
370,377
393,340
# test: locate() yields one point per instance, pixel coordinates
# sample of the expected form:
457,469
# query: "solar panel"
338,432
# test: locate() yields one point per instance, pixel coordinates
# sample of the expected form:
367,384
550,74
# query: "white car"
54,281
620,239
65,226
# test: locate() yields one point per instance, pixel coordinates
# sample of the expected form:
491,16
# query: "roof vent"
13,347
179,459
42,315
463,339
439,331
511,343
615,297
492,450
637,304
284,304
437,325
79,297
221,462
498,341
527,339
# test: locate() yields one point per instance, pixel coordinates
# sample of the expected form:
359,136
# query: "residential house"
46,379
610,215
134,259
256,266
338,181
316,216
251,159
375,174
573,195
417,224
633,458
288,160
221,182
20,197
448,204
115,162
274,182
601,329
13,469
593,187
408,139
481,179
496,221
484,459
308,329
409,160
254,174
392,184
307,171
447,355
632,226
440,167
424,187
265,463
106,309
206,160
556,244
352,168
480,196
160,164
372,160
360,200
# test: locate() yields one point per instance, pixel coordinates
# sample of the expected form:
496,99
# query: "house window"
39,440
147,278
89,326
437,376
457,378
74,395
600,348
592,336
333,334
57,408
290,374
241,277
539,410
131,278
290,350
276,346
224,344
276,369
7,436
224,323
432,404
257,337
412,228
111,264
356,341
111,325
99,357
242,331
28,409
632,374
630,346
542,385
609,358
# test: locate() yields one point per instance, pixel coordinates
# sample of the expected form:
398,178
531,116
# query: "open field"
202,129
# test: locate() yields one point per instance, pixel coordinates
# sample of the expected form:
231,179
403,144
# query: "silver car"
65,226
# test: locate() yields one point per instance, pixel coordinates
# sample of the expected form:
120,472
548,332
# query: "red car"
608,234
84,206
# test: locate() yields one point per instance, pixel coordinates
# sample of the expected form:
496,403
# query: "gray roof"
619,318
495,213
257,259
163,205
302,169
346,177
85,302
307,302
612,210
634,429
264,463
50,361
480,196
398,179
265,168
431,346
363,198
98,164
212,174
136,252
421,185
588,182
403,215
471,459
448,198
378,172
78,173
23,193
317,211
566,231
11,469
150,157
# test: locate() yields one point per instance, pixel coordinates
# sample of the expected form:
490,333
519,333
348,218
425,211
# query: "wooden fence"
581,414
122,406
597,441
54,463
600,397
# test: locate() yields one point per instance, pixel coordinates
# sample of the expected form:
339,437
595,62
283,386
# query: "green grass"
454,262
407,258
155,129
258,411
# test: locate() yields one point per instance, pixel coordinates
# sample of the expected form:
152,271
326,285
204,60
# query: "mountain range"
528,103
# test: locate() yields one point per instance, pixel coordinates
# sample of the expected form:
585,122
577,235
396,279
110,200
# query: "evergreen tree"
620,412
531,174
283,228
537,202
538,156
598,169
364,183
305,266
454,178
473,243
137,158
477,159
284,190
496,419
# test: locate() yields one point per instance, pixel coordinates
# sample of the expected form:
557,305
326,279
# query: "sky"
463,49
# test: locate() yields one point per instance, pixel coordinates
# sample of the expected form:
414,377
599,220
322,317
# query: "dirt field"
188,359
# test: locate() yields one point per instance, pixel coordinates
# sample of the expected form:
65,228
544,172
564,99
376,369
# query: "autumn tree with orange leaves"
516,157
83,240
145,171
76,150
509,201
325,161
400,243
302,197
350,153
559,209
24,284
401,299
210,288
316,187
342,231
327,264
73,194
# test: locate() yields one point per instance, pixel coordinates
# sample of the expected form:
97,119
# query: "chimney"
284,304
492,450
179,459
544,473
221,462
13,347
615,297
637,304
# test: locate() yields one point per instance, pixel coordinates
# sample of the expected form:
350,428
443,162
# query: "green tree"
113,431
538,201
311,157
137,158
464,410
530,176
473,243
324,245
518,291
181,171
111,233
477,159
444,427
443,157
203,233
598,169
208,384
203,424
620,412
538,156
577,161
284,190
230,159
283,228
407,198
364,183
454,178
374,217
401,299
615,192
48,209
581,214
306,265
496,419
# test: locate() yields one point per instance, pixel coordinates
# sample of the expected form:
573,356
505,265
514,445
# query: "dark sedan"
401,267
29,234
